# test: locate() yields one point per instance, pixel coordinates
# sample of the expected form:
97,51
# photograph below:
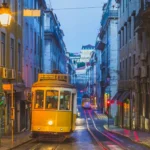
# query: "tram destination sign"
58,77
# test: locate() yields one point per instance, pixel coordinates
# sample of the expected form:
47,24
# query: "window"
123,5
39,99
123,37
35,43
133,60
27,34
65,103
19,12
126,34
126,68
130,65
12,54
129,32
34,74
2,50
19,57
51,99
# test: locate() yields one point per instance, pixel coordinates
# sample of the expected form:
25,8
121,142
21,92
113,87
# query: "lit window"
65,100
39,99
51,99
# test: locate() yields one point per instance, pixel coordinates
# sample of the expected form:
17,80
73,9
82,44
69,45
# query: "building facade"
91,79
82,70
109,55
17,53
33,29
98,73
70,69
133,32
55,49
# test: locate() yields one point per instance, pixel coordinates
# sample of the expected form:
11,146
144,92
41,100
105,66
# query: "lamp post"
108,106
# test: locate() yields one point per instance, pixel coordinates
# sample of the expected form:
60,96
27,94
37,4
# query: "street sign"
31,13
7,87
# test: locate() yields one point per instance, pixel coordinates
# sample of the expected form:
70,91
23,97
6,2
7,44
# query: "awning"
117,95
124,96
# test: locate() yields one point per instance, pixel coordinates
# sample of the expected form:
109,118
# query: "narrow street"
90,135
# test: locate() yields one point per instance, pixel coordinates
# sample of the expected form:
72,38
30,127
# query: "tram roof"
52,84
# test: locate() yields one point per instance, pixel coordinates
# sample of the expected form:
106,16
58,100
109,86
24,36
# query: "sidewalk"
136,136
20,138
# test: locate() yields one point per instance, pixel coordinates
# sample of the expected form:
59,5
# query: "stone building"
18,52
55,50
107,44
134,47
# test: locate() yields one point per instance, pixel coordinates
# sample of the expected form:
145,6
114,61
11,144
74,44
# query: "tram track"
34,145
102,139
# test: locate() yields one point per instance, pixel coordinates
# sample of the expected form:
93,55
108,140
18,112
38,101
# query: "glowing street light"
5,14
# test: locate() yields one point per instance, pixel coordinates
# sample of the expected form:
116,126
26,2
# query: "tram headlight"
50,122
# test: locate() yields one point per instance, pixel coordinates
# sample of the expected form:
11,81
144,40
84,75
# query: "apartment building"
133,95
107,44
55,50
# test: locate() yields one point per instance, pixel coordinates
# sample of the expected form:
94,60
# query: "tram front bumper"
50,129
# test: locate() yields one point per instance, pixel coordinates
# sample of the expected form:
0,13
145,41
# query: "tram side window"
51,99
39,99
65,102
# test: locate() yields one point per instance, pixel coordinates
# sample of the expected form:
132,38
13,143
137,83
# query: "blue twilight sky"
80,26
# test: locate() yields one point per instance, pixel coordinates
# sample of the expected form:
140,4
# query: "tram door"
72,116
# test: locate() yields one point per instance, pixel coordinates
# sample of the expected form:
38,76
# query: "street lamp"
5,14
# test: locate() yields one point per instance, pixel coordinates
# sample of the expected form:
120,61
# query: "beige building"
85,53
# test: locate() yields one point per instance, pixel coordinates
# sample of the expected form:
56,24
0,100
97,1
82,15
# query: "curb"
106,128
19,144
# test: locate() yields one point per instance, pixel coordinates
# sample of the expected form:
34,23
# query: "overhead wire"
76,8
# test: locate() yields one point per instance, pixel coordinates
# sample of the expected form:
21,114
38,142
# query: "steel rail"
111,139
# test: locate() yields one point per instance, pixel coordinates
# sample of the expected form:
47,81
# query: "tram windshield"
51,99
65,103
39,99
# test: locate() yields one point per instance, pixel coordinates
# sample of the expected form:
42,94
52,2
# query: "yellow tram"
54,102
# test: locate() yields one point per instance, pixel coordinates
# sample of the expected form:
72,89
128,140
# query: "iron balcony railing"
110,14
143,14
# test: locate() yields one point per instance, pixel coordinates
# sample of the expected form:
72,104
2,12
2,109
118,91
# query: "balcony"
145,8
111,14
100,45
52,32
102,32
143,15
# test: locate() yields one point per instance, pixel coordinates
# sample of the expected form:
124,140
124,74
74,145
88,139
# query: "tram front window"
39,97
51,99
65,100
